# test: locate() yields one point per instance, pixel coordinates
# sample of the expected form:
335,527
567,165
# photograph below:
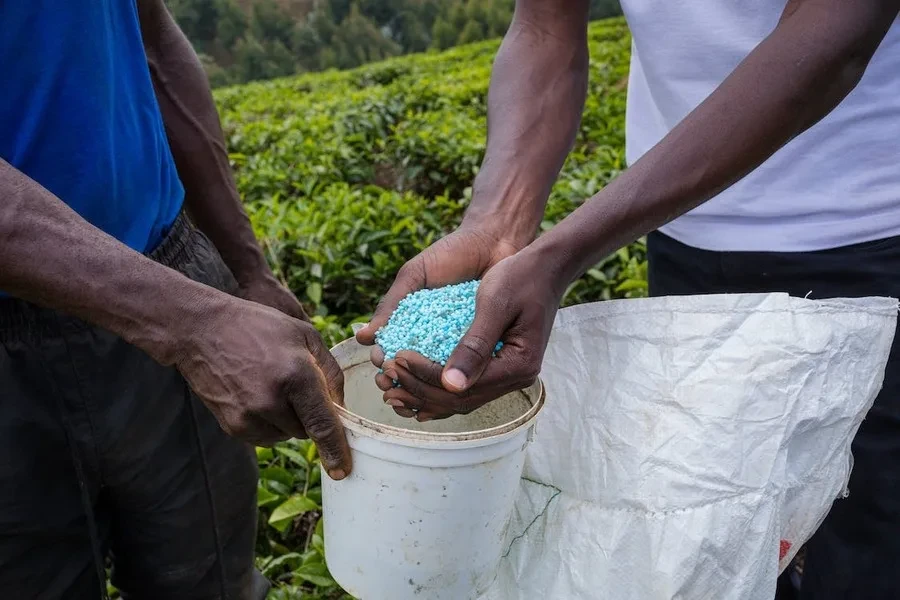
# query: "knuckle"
240,425
531,374
478,345
464,403
406,270
497,303
416,388
321,424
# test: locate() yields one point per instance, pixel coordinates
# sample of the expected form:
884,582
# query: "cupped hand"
463,255
268,377
516,303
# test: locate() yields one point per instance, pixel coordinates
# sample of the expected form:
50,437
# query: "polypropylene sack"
689,446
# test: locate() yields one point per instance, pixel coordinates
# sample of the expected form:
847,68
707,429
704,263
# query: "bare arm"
795,77
815,57
51,256
198,146
537,92
536,96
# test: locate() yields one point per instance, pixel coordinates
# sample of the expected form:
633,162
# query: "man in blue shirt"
139,322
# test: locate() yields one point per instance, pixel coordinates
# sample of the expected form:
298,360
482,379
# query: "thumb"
324,427
410,278
320,419
476,348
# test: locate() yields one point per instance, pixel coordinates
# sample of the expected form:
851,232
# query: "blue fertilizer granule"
430,322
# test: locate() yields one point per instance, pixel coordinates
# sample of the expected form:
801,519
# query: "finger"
311,402
476,348
267,437
334,375
257,431
422,393
376,355
384,382
422,368
511,371
400,398
424,410
410,278
403,403
284,420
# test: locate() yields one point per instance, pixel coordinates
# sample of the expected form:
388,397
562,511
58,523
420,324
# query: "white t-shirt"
837,184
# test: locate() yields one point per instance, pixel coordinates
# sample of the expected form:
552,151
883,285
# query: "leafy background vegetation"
348,174
246,40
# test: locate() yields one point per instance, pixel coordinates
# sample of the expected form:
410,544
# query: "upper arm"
858,26
156,24
565,20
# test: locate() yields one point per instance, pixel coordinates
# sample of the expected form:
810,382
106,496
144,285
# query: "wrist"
191,312
506,207
502,225
554,259
247,263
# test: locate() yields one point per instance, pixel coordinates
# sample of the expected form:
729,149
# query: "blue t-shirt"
78,114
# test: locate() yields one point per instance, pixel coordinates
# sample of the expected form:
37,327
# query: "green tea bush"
346,175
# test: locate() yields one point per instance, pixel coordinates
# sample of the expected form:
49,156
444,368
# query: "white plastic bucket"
425,512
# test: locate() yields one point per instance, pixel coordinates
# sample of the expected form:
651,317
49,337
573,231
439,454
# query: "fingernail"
395,403
337,474
392,374
402,362
456,378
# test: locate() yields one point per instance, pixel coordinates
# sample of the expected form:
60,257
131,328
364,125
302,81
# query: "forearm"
197,143
52,257
536,96
801,72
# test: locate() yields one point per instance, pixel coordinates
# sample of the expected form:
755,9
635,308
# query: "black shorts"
105,453
855,554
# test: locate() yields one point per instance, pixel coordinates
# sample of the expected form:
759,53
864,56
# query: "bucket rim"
369,428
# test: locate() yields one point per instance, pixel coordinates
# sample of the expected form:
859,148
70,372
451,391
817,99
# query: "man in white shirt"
764,147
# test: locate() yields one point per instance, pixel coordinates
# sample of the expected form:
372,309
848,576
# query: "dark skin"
255,361
795,77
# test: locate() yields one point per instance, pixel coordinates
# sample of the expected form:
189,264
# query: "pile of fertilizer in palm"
430,322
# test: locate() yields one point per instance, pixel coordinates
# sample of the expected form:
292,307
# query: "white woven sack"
689,446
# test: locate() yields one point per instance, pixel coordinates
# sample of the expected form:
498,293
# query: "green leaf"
315,573
263,454
265,498
315,494
293,456
311,452
278,474
597,274
292,560
314,292
316,270
289,509
631,284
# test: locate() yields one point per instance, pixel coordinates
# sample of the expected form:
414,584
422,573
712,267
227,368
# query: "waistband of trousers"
20,319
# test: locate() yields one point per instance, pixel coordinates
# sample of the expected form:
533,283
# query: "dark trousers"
855,554
106,454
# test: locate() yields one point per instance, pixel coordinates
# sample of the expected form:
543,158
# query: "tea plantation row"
348,174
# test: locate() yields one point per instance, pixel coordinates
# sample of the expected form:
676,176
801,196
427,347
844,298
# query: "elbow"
857,37
839,52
